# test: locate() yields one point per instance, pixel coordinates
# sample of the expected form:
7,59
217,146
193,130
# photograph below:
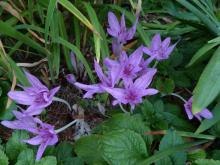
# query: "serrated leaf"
169,140
124,147
48,160
14,145
6,113
207,162
127,121
26,157
3,158
63,151
89,149
208,86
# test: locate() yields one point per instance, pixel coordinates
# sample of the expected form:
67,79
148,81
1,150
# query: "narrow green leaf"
71,8
202,52
95,22
19,74
208,123
78,54
63,34
100,44
161,154
49,18
208,86
6,29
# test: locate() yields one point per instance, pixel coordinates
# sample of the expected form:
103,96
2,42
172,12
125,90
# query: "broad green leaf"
79,55
165,85
202,52
64,150
162,154
208,86
3,158
6,112
71,8
89,149
208,123
14,145
207,162
26,157
168,141
127,121
48,160
6,29
124,147
72,161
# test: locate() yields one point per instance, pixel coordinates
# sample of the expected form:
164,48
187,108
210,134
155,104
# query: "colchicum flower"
129,66
70,78
37,96
205,113
133,91
159,50
45,133
106,81
119,30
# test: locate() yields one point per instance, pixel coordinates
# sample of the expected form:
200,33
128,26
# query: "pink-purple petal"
113,22
156,42
21,97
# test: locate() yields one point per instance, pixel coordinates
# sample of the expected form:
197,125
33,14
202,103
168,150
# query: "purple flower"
117,47
128,66
37,96
119,30
70,78
45,133
106,81
205,113
159,50
133,91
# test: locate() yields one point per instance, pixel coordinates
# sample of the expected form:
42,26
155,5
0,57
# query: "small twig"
32,64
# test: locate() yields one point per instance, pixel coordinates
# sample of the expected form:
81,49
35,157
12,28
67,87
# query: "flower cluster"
36,97
128,77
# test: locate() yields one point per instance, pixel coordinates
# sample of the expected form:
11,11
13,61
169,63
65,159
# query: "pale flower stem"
180,97
66,126
62,101
155,64
122,108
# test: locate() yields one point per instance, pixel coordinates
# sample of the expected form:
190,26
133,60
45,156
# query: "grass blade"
78,54
8,30
202,52
99,45
49,17
71,8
